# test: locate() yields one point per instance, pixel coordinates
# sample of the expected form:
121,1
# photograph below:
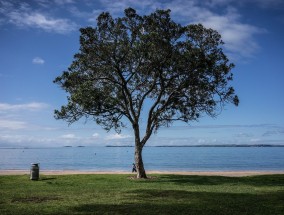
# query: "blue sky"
39,38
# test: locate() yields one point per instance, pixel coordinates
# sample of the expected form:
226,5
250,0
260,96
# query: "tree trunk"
138,153
139,161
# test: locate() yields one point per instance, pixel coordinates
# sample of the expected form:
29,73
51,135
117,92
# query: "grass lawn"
163,194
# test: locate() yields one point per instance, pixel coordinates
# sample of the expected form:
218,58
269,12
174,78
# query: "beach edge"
200,173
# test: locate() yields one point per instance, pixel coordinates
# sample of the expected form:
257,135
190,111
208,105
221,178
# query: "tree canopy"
181,72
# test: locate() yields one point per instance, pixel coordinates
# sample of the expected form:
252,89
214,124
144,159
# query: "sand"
208,173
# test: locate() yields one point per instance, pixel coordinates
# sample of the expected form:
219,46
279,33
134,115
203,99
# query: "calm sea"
155,158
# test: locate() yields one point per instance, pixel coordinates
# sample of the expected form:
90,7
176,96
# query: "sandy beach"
207,173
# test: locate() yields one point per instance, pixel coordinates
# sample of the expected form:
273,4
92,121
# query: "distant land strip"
221,145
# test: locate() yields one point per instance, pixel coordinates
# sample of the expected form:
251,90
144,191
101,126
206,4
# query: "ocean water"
155,158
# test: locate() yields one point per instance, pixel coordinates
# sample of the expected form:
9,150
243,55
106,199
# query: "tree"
180,72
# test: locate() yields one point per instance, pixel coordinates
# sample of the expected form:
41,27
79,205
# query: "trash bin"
34,171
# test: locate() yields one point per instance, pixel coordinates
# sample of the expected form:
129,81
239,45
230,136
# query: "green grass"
163,194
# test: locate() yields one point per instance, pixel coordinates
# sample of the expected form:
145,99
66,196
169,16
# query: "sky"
38,39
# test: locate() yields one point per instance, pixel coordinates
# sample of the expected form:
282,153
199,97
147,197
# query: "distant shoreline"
221,145
160,146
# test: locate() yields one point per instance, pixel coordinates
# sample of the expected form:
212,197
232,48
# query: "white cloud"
95,135
33,106
24,140
38,60
239,37
255,3
244,135
68,136
12,124
78,13
41,21
23,15
21,116
273,133
117,7
19,140
94,15
255,140
11,139
201,141
117,137
50,3
63,2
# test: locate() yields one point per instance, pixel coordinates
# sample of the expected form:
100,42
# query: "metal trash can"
34,171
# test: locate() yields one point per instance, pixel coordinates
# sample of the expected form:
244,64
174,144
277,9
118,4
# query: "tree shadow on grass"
184,202
264,180
47,179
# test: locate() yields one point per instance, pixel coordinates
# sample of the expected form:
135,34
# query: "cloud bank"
224,16
11,114
239,37
23,15
32,106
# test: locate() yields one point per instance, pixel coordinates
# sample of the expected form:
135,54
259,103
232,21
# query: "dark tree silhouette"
180,72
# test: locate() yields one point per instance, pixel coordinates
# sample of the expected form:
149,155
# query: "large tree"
150,64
